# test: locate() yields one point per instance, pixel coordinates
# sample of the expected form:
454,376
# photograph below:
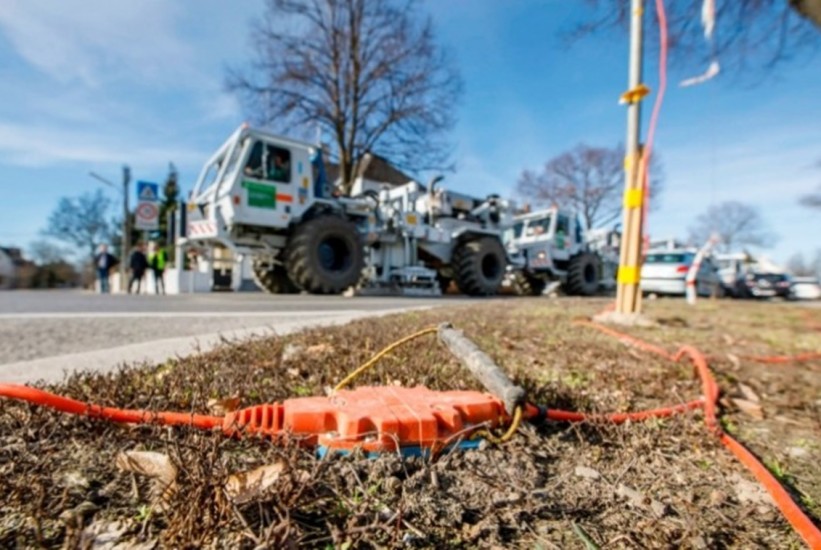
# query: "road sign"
147,213
148,192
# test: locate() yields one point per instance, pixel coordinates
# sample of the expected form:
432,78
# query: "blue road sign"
148,192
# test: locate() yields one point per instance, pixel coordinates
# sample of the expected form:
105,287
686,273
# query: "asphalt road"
45,333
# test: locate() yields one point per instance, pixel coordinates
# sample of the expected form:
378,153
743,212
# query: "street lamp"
126,224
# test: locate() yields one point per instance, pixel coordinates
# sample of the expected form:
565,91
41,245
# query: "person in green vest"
157,259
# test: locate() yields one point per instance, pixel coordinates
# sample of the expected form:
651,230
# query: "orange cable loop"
793,513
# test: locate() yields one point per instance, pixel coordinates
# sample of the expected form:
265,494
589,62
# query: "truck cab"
256,185
547,239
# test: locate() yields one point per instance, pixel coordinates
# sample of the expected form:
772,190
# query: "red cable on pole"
651,130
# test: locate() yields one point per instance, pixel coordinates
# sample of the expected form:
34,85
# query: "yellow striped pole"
628,293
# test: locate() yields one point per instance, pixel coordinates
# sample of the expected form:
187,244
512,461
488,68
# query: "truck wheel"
272,279
325,255
528,285
479,266
583,275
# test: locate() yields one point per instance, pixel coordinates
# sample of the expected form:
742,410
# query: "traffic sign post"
147,213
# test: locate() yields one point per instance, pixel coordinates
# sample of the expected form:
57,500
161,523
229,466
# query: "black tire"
272,279
325,255
479,266
528,285
583,275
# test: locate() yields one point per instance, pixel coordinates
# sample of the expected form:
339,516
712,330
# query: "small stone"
748,492
587,473
290,352
797,452
625,319
699,542
717,498
75,480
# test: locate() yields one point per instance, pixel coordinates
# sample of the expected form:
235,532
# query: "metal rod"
126,231
126,236
482,367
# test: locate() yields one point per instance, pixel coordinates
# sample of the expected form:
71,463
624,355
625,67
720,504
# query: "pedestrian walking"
104,262
138,264
157,259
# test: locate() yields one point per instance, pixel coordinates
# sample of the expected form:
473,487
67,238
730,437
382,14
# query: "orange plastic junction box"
376,419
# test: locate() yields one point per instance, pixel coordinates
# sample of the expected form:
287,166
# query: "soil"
657,484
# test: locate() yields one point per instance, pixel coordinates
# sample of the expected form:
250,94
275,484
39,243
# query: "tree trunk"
345,172
809,9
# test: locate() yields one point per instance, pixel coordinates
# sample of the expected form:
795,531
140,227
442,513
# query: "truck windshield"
538,226
517,229
513,232
211,174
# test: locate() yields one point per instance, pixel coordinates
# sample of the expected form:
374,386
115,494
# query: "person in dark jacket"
104,262
138,264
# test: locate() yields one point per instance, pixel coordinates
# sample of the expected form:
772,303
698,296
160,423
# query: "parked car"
763,285
805,288
665,272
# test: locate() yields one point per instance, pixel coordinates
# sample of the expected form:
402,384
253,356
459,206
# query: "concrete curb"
54,369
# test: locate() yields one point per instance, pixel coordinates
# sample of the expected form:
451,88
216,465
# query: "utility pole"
126,228
628,294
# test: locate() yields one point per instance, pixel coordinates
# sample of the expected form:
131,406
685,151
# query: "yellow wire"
517,413
511,430
373,360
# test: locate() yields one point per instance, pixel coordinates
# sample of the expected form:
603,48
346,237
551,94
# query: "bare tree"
46,252
81,221
587,179
813,199
367,72
735,223
799,267
749,34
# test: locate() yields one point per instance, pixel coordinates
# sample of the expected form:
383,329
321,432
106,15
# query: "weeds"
509,496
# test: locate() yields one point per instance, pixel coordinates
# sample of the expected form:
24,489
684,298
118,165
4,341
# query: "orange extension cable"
260,419
64,404
802,524
266,419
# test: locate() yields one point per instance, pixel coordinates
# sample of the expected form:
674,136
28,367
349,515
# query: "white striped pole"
691,291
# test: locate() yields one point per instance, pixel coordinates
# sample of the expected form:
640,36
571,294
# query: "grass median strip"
524,493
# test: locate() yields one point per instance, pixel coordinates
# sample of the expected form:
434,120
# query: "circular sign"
147,211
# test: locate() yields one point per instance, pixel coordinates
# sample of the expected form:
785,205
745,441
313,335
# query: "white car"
805,288
665,272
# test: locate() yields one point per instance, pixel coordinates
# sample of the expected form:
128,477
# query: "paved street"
43,334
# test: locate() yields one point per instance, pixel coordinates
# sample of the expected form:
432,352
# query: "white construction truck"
554,246
428,237
268,197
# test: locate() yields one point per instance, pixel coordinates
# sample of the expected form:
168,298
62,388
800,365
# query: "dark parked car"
763,285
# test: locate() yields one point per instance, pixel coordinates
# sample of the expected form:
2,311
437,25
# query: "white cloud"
30,146
221,106
97,40
106,81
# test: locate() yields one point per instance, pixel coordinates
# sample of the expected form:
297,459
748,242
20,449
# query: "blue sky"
92,84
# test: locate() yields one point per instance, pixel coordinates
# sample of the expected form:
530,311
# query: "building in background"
13,267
